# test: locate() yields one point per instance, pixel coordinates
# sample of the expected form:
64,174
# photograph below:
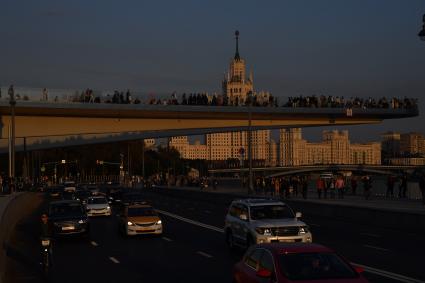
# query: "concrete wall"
13,208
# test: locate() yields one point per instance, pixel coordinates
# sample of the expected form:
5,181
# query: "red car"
301,263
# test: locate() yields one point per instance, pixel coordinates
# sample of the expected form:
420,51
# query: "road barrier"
13,208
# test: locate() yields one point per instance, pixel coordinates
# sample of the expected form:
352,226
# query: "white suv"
255,221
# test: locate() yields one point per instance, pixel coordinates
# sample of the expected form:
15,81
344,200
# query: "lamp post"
421,34
12,103
250,184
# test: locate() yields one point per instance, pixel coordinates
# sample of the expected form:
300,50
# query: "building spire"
237,57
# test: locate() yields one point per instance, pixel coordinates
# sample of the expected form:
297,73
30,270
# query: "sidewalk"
357,201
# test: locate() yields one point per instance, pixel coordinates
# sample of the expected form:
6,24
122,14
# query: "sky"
347,48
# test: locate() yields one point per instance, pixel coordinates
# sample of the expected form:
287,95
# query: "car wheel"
229,240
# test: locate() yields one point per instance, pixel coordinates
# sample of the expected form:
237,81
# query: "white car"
98,206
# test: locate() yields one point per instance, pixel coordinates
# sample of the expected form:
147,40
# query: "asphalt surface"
189,251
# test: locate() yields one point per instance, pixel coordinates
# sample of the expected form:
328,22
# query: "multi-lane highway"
192,248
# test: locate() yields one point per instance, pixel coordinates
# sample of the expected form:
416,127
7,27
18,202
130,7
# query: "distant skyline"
346,48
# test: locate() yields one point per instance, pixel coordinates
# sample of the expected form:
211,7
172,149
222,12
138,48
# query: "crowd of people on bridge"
261,99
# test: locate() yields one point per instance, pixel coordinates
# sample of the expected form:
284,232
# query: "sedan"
284,263
97,206
68,217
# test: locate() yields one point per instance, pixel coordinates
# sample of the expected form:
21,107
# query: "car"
300,262
69,186
132,198
82,195
98,206
55,192
139,219
255,221
68,217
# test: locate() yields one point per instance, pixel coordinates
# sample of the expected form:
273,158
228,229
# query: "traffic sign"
43,169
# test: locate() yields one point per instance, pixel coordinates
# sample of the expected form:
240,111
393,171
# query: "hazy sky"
350,47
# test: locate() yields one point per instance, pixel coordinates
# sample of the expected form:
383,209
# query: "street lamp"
421,34
12,103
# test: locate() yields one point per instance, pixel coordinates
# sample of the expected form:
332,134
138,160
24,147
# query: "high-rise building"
412,144
235,85
335,149
390,144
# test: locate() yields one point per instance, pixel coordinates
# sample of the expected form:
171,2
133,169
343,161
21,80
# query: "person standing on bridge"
390,186
45,95
353,185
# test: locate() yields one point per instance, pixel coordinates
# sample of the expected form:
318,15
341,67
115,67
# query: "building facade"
412,144
334,149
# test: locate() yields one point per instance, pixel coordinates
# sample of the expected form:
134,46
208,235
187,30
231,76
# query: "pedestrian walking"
320,186
339,185
422,187
304,184
353,185
390,186
367,185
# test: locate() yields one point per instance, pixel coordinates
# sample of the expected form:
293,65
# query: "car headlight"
303,230
108,208
263,231
82,221
158,222
129,223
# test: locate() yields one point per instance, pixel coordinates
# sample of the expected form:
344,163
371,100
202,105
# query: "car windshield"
141,211
66,209
315,266
271,212
97,201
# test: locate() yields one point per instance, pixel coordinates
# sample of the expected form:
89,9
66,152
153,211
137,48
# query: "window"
253,258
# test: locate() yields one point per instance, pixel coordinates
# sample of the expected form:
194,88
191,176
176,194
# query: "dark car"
68,217
283,262
82,195
132,198
55,192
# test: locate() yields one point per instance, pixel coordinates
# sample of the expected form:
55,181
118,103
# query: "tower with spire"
235,85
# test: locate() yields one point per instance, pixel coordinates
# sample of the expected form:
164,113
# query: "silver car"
255,221
97,206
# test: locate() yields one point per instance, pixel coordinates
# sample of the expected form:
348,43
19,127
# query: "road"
192,248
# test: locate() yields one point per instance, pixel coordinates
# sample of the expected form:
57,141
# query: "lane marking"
167,239
220,230
387,274
114,260
204,254
93,243
376,248
376,271
370,235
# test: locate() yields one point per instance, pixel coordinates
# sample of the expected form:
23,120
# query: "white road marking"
204,254
167,239
390,275
370,235
376,271
220,230
93,243
376,248
114,260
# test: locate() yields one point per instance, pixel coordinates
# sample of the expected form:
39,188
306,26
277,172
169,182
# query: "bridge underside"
36,126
